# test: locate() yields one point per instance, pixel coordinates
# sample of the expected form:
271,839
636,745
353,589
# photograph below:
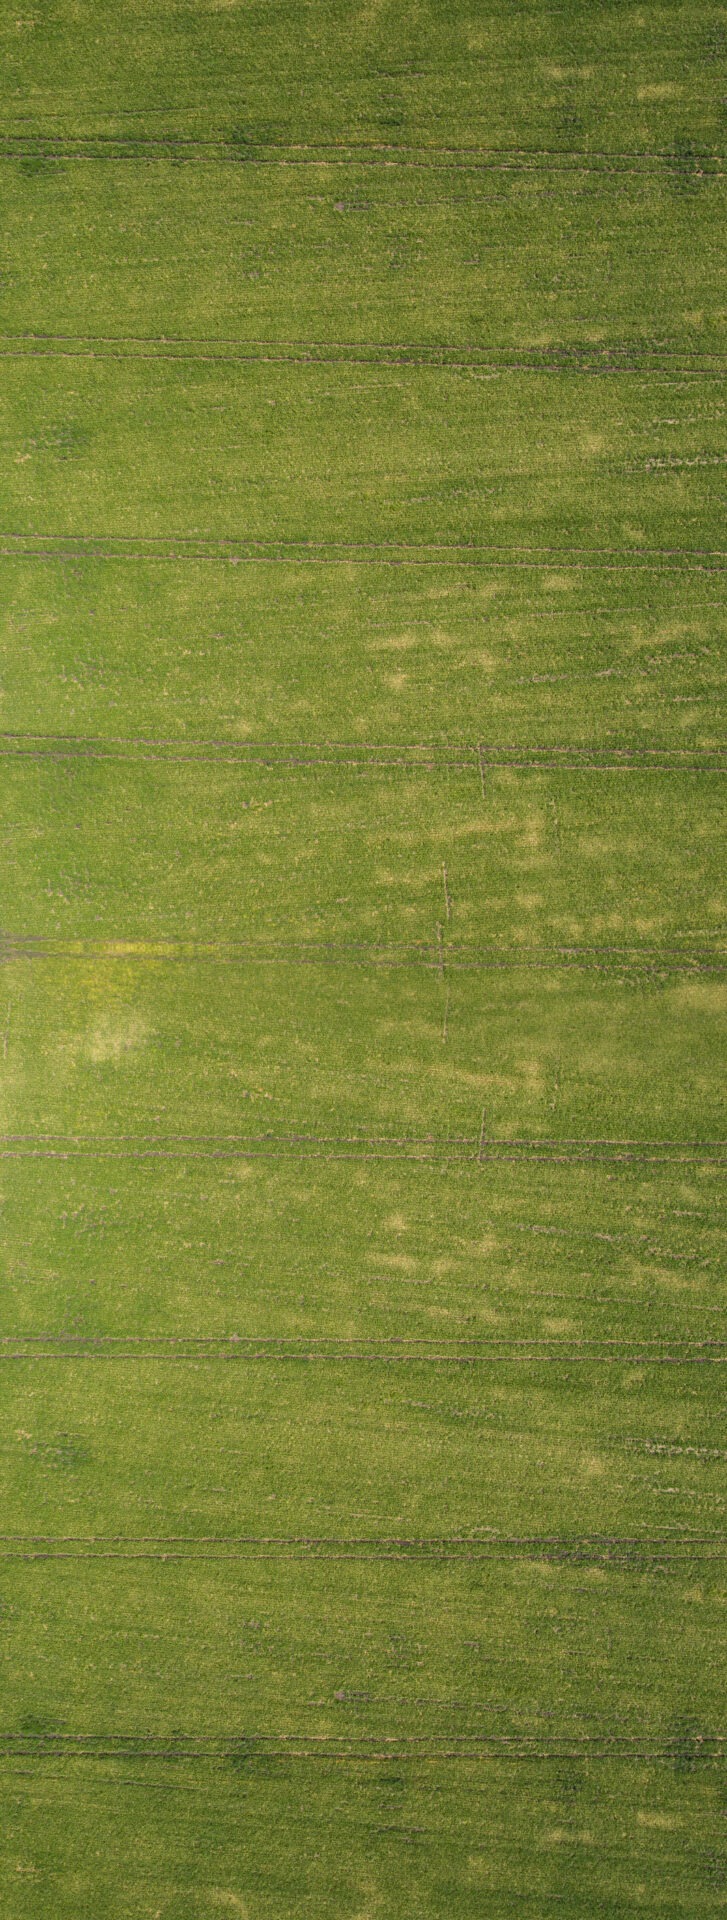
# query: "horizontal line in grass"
621,1559
689,164
333,1344
564,349
621,963
230,550
25,136
300,1137
562,1356
370,757
390,747
426,1150
480,1536
239,1747
558,358
225,542
465,1350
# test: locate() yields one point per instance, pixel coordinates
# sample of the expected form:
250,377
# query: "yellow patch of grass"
113,1037
661,1822
659,90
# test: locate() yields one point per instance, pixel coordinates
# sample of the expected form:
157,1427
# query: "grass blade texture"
363,577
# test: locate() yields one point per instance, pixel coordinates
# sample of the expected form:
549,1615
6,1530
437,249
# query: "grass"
363,988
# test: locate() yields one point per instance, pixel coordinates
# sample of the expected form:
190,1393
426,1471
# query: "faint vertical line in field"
440,952
447,895
483,1137
481,763
556,823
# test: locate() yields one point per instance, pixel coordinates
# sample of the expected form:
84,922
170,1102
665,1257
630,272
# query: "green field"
364,960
